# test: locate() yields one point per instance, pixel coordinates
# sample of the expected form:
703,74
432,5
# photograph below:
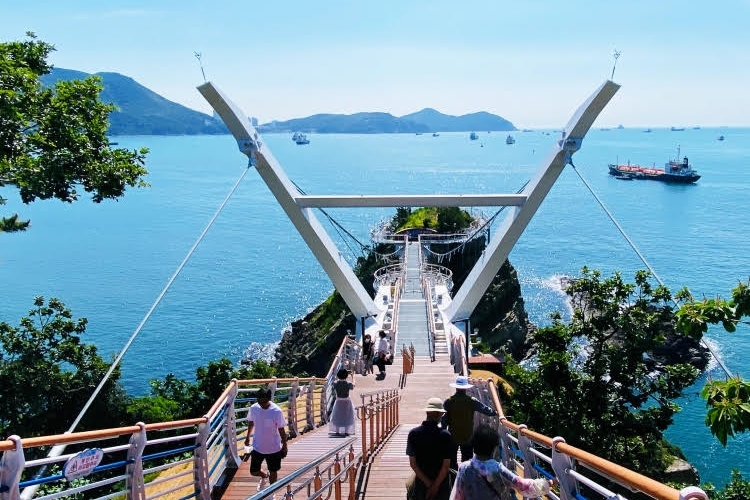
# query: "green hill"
427,120
438,122
142,111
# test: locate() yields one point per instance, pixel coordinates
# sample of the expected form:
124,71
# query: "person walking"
266,424
482,477
343,419
367,353
429,449
383,351
459,418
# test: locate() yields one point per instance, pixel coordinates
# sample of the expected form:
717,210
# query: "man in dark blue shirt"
429,449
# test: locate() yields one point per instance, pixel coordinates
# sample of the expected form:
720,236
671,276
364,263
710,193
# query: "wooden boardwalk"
386,473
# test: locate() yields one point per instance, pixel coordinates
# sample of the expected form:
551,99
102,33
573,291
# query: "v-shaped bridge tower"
299,207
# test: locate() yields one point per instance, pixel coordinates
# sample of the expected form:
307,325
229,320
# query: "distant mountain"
438,122
358,123
427,120
142,111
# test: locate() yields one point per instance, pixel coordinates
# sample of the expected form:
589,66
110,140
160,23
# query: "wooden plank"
387,473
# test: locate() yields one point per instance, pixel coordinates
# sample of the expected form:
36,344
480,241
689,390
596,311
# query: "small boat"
473,136
675,171
677,129
624,177
720,138
417,133
435,134
510,140
647,130
300,138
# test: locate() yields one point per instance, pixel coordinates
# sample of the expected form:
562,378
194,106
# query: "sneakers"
262,483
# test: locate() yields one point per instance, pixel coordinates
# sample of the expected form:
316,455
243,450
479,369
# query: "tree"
728,401
53,140
603,361
452,220
47,374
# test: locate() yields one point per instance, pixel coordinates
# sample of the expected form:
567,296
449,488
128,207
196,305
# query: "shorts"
273,461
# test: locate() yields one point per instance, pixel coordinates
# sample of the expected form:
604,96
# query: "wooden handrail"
608,469
75,437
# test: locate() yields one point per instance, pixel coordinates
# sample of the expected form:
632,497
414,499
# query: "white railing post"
310,406
506,443
324,403
292,409
561,464
230,427
525,444
200,460
134,483
11,468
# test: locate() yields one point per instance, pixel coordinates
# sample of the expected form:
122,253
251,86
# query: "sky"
682,63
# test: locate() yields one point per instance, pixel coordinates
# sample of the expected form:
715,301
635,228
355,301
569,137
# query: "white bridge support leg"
298,206
498,249
346,282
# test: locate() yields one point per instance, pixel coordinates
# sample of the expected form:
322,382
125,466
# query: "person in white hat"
429,449
459,418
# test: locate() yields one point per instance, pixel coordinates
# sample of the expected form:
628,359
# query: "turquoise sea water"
252,274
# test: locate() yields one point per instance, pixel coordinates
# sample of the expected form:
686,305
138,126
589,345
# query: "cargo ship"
674,171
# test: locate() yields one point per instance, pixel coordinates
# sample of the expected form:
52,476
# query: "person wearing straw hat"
429,449
459,418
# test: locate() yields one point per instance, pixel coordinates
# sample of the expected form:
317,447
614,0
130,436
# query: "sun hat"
434,405
461,383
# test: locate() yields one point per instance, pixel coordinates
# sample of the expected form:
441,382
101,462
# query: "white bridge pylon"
299,207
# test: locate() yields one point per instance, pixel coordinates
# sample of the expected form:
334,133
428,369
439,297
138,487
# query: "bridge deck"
387,472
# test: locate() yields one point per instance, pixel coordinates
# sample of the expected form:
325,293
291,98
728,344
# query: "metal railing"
379,416
149,461
386,275
325,475
538,455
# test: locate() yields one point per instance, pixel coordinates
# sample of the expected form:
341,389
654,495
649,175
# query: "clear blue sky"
683,62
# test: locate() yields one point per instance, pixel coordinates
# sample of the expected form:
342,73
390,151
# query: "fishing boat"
510,140
676,171
300,138
473,136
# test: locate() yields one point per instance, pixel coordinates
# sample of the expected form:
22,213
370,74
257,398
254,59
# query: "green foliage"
728,401
441,219
452,219
47,374
53,141
737,489
259,368
729,407
421,217
402,216
600,360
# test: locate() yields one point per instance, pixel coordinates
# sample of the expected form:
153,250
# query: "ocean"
251,275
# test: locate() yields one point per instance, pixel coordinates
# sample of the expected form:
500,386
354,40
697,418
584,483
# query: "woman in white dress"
343,419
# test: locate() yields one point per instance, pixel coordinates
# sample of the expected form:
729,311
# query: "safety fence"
188,458
580,475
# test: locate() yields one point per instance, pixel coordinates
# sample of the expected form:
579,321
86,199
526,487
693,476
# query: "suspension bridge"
426,320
